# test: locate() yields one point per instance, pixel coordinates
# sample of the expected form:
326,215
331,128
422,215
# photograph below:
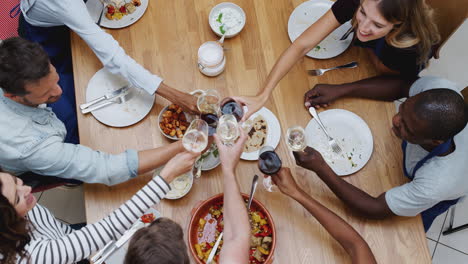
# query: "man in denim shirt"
32,137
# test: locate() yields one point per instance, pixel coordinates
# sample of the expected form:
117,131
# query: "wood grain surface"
166,40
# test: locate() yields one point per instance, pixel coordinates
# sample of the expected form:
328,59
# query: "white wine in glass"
196,137
228,129
296,138
208,102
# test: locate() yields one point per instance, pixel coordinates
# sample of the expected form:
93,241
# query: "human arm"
74,246
303,44
382,88
359,201
349,239
53,157
153,158
113,56
236,233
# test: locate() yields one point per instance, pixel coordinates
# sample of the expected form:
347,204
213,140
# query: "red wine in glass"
212,121
269,162
231,107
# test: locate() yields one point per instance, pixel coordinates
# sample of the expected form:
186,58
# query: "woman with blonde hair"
398,35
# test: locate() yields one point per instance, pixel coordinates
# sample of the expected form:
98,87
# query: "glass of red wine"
208,104
270,164
229,106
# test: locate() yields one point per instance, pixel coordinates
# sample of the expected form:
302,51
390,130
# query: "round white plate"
273,133
118,115
305,15
210,162
172,195
118,256
94,8
350,132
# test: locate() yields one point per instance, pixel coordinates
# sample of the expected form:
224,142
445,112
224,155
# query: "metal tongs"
112,246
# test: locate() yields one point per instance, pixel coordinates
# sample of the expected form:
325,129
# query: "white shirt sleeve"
431,82
74,15
414,197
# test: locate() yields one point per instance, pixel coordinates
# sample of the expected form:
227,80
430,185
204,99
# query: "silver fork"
118,100
335,147
319,72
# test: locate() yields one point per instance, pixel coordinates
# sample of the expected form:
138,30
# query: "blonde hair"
414,26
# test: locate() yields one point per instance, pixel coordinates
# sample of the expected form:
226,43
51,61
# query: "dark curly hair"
14,232
22,62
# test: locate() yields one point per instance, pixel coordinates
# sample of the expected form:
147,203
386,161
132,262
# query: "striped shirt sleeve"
80,244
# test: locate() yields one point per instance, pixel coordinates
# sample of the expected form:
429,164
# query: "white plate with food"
351,133
118,256
227,18
264,130
117,13
118,115
305,15
180,186
210,159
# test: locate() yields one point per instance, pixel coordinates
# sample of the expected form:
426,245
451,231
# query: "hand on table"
310,159
178,165
322,95
230,154
253,103
285,182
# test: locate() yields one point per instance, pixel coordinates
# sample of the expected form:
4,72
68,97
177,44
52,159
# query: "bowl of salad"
209,160
207,223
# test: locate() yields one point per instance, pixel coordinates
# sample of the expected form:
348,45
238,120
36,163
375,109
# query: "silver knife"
213,250
106,97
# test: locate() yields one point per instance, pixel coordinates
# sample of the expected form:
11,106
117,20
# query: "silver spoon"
252,190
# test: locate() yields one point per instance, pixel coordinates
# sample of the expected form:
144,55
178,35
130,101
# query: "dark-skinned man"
431,123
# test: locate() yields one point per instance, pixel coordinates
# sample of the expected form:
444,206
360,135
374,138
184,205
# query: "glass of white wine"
196,137
208,102
228,129
296,138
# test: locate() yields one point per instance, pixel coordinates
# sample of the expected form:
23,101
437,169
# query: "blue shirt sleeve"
52,157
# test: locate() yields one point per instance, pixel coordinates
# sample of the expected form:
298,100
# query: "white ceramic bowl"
216,10
188,117
171,195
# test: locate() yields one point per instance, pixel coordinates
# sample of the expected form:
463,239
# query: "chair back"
9,16
449,15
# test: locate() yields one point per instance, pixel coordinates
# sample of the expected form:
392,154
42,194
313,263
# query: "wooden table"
166,41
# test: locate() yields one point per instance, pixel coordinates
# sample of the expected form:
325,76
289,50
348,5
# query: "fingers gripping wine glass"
229,106
227,129
296,138
196,137
269,163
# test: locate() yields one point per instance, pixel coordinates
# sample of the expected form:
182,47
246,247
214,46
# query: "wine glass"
296,138
229,106
196,137
227,130
269,163
208,104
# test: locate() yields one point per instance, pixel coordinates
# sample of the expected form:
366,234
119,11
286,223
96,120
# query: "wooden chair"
449,15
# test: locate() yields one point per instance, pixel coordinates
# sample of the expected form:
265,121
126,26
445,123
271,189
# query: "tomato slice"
148,218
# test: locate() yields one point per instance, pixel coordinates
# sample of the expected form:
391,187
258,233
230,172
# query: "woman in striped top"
29,233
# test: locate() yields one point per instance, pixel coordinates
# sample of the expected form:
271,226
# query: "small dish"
209,159
180,186
160,118
236,19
